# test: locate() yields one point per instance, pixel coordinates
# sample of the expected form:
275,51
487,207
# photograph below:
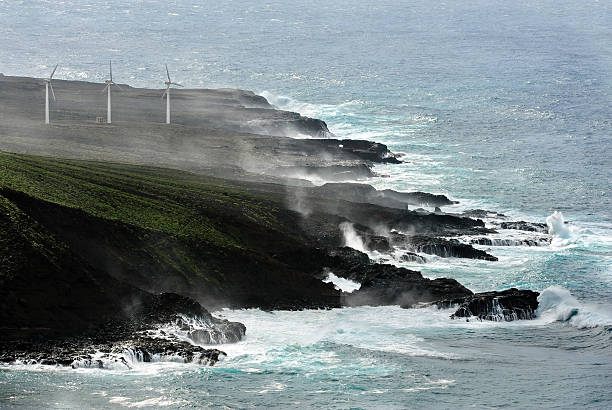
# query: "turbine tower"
109,82
47,86
167,94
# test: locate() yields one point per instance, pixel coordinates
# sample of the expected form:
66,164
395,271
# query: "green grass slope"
219,242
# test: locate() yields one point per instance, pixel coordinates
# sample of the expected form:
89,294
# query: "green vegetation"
97,228
174,202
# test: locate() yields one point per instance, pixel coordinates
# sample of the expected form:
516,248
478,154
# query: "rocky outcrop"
367,150
77,352
187,316
413,257
511,242
525,226
508,305
446,248
296,123
268,121
375,242
389,285
346,259
438,224
383,284
218,334
418,198
388,198
482,213
135,337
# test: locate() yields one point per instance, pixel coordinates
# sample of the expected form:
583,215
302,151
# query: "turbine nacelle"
48,83
110,81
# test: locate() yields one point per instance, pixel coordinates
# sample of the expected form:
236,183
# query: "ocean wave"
309,109
556,304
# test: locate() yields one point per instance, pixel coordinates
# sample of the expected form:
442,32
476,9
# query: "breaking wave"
556,304
563,233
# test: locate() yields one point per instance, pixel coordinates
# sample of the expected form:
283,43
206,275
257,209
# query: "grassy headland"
210,209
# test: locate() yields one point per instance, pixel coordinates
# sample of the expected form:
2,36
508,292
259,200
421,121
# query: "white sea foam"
564,233
153,402
312,340
557,226
309,109
342,284
556,304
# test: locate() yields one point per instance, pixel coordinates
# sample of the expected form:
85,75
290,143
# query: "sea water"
504,106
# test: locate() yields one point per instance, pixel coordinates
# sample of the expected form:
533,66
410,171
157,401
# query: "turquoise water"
500,105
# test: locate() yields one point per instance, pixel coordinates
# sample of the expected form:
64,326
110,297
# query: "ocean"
503,106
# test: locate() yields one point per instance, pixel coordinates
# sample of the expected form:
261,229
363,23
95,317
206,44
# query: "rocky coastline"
111,233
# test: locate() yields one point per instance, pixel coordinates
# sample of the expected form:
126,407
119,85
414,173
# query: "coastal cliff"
105,223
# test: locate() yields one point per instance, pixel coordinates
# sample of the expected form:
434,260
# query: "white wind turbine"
167,94
47,86
109,82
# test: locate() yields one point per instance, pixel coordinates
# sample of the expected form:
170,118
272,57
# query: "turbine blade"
52,93
110,66
117,85
51,76
177,84
163,96
103,91
168,73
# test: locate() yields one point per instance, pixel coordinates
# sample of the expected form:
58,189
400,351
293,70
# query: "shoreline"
152,218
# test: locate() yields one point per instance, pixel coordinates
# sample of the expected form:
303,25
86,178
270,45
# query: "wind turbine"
167,94
47,86
109,82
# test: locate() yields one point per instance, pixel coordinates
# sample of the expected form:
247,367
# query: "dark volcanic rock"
84,352
508,305
400,220
482,213
525,226
383,284
413,257
183,311
375,242
511,242
122,341
446,248
368,194
438,224
267,121
418,198
220,333
367,150
346,258
61,305
306,126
